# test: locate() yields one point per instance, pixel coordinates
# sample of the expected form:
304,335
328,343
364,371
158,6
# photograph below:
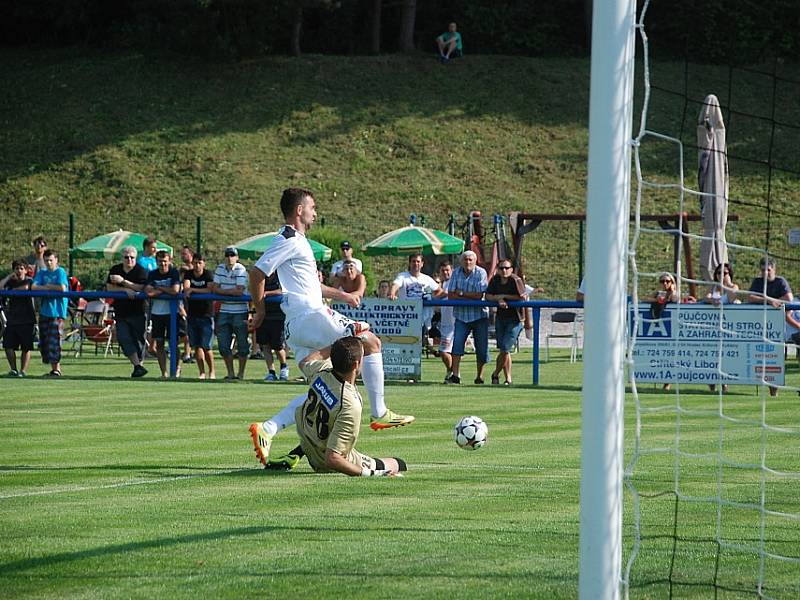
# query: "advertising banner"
399,325
699,343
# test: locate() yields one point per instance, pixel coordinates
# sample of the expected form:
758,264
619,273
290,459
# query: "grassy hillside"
149,143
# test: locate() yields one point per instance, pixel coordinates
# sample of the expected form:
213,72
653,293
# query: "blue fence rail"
536,307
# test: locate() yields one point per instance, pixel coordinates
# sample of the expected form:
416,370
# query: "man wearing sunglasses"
35,259
129,313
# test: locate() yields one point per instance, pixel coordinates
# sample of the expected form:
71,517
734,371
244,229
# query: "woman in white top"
725,290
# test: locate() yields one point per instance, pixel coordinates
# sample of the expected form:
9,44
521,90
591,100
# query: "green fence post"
71,239
198,234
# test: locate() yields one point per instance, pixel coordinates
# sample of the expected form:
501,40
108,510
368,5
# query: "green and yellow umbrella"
254,246
412,240
110,245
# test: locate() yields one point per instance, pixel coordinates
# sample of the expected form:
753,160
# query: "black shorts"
270,333
18,337
160,328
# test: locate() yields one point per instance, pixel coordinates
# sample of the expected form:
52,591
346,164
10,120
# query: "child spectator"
269,334
383,289
200,319
162,283
52,312
21,316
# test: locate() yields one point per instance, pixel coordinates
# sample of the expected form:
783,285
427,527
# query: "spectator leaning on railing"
469,282
200,315
129,314
230,279
164,281
506,287
774,290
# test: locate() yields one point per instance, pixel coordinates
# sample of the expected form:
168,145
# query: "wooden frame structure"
677,223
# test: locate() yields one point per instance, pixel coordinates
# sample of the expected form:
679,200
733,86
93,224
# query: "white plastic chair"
563,325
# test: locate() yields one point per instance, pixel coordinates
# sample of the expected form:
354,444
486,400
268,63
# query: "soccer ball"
471,433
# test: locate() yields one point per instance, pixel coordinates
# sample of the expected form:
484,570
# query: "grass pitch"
114,488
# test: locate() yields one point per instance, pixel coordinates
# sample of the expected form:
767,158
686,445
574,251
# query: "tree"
407,20
375,27
297,28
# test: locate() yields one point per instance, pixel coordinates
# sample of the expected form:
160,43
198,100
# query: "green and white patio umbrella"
411,240
254,246
109,246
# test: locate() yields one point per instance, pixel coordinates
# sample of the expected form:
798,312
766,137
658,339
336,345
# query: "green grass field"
115,488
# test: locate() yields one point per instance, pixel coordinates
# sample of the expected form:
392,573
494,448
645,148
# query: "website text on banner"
694,343
399,325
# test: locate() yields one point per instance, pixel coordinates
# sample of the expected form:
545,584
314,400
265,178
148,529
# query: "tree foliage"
734,31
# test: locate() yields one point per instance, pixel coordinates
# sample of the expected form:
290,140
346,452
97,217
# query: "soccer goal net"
707,417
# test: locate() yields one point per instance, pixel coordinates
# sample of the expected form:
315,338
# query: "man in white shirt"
310,324
347,254
416,284
230,279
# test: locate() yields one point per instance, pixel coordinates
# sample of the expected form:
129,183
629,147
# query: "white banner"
700,343
399,325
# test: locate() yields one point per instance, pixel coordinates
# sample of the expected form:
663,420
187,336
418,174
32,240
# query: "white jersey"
290,254
448,322
418,286
410,286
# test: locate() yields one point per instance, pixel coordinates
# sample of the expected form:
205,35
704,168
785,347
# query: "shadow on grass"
160,543
155,468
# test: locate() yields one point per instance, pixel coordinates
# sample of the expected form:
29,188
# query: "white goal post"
607,215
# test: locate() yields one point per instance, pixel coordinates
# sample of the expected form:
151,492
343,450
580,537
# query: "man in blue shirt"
774,290
52,311
147,259
469,282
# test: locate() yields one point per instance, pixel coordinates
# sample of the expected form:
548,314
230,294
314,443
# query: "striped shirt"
477,281
229,280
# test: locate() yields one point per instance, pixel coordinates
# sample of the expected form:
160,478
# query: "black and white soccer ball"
471,433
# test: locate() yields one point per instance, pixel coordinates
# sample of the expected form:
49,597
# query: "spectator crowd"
149,279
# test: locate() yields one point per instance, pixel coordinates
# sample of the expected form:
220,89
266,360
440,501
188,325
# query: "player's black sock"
401,464
272,371
283,365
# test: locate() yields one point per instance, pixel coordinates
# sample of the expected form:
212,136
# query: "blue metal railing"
536,307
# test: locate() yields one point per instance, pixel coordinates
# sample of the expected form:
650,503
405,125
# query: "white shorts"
446,339
315,330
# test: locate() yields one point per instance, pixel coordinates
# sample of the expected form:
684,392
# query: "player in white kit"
310,324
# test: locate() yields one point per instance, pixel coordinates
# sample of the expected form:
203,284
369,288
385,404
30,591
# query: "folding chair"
96,327
563,325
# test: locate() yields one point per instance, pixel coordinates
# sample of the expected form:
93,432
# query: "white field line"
122,484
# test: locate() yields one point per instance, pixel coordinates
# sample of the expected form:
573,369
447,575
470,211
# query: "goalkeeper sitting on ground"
329,420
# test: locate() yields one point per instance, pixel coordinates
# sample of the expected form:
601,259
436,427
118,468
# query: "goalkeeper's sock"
285,417
372,374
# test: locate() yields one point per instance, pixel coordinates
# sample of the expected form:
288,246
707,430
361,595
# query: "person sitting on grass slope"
449,44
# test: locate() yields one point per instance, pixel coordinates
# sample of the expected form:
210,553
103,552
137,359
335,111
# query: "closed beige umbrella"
712,181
